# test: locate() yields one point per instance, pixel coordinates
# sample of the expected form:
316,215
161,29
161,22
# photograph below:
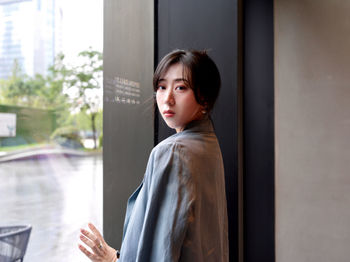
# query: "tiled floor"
57,196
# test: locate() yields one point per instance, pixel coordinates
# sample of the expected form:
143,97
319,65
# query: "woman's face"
175,99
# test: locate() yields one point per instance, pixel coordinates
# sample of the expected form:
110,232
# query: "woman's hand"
101,251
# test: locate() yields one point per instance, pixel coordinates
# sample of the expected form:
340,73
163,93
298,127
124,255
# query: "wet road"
57,196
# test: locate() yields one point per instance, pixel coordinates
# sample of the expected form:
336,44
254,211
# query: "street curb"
43,151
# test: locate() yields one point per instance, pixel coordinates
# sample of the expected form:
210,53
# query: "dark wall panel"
128,107
259,237
212,25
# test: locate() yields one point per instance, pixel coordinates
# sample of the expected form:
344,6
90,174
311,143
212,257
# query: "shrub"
67,136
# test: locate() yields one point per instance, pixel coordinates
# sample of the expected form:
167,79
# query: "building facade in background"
31,34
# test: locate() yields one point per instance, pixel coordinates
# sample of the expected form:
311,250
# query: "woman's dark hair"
200,71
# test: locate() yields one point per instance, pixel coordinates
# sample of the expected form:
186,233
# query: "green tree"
17,90
54,93
63,89
44,92
84,82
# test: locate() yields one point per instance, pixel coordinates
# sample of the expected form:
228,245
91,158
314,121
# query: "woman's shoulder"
168,157
178,141
187,144
168,145
196,133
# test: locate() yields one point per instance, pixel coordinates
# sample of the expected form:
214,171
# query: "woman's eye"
180,88
161,88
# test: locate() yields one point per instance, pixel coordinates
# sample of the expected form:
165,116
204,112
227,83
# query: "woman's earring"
204,107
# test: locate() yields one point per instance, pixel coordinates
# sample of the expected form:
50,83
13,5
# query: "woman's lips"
168,113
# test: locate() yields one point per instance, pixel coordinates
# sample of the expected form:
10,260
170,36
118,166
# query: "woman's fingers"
92,241
90,255
96,232
100,250
87,241
90,236
96,247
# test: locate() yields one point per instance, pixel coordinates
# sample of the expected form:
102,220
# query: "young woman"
178,213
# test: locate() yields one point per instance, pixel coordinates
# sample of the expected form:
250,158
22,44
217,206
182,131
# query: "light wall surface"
312,94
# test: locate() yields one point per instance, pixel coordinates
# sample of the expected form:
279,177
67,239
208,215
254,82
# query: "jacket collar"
203,125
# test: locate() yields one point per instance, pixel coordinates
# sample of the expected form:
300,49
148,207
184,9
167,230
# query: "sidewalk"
57,196
42,152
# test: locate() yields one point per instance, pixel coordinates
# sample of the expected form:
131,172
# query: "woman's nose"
169,97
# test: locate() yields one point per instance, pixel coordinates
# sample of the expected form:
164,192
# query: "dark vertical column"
212,25
128,107
240,133
259,244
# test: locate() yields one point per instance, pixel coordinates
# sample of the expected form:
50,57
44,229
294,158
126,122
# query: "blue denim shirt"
178,213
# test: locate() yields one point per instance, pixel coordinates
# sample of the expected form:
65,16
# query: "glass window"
51,124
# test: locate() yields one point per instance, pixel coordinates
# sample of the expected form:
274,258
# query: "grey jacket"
178,213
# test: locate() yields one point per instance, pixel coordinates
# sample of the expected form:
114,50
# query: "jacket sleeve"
169,205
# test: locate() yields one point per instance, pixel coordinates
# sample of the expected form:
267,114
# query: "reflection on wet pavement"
57,196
